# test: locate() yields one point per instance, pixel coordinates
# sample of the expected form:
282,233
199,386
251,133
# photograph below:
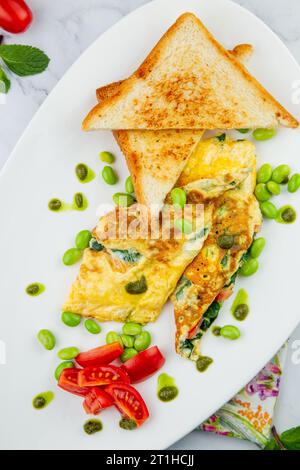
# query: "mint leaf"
272,445
23,60
291,438
4,82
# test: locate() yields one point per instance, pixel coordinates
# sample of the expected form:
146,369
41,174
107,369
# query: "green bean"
178,197
132,329
71,256
109,175
62,366
249,267
264,173
123,199
71,319
257,247
264,134
92,426
280,173
47,339
184,226
286,215
230,332
92,327
128,341
273,188
269,210
82,239
113,337
107,157
128,354
294,183
225,241
68,353
129,188
142,341
261,192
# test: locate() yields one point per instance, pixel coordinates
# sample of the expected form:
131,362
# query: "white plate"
33,240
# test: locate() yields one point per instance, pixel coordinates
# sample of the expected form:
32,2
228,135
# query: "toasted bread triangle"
189,81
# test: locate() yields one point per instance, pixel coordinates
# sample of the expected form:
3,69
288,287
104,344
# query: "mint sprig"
24,60
288,440
4,82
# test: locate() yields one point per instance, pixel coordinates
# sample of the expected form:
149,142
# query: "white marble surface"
64,29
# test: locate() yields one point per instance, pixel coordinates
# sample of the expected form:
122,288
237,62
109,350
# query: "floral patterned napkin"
249,414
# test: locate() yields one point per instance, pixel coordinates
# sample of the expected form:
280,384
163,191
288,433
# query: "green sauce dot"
128,424
168,393
92,426
41,400
203,363
35,289
55,205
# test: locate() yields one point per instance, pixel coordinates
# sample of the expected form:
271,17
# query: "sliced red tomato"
101,375
129,402
224,294
97,400
100,356
144,364
68,381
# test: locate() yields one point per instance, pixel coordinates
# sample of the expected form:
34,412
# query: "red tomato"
100,356
224,294
15,15
144,364
129,402
101,375
68,381
97,400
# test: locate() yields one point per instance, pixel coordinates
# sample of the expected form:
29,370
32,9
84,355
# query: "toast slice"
156,158
189,81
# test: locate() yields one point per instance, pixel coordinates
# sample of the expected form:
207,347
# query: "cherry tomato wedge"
129,402
68,381
100,356
101,375
15,15
97,400
144,364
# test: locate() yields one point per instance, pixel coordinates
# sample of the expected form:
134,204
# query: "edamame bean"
249,267
71,319
132,329
280,173
47,339
142,341
273,188
62,366
225,241
92,327
128,341
178,197
82,239
184,226
113,337
261,192
286,215
107,157
294,183
71,256
264,134
230,332
68,353
129,188
109,175
269,210
128,354
257,247
264,173
123,199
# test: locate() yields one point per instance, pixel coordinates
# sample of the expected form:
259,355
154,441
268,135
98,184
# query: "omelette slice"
129,276
209,279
